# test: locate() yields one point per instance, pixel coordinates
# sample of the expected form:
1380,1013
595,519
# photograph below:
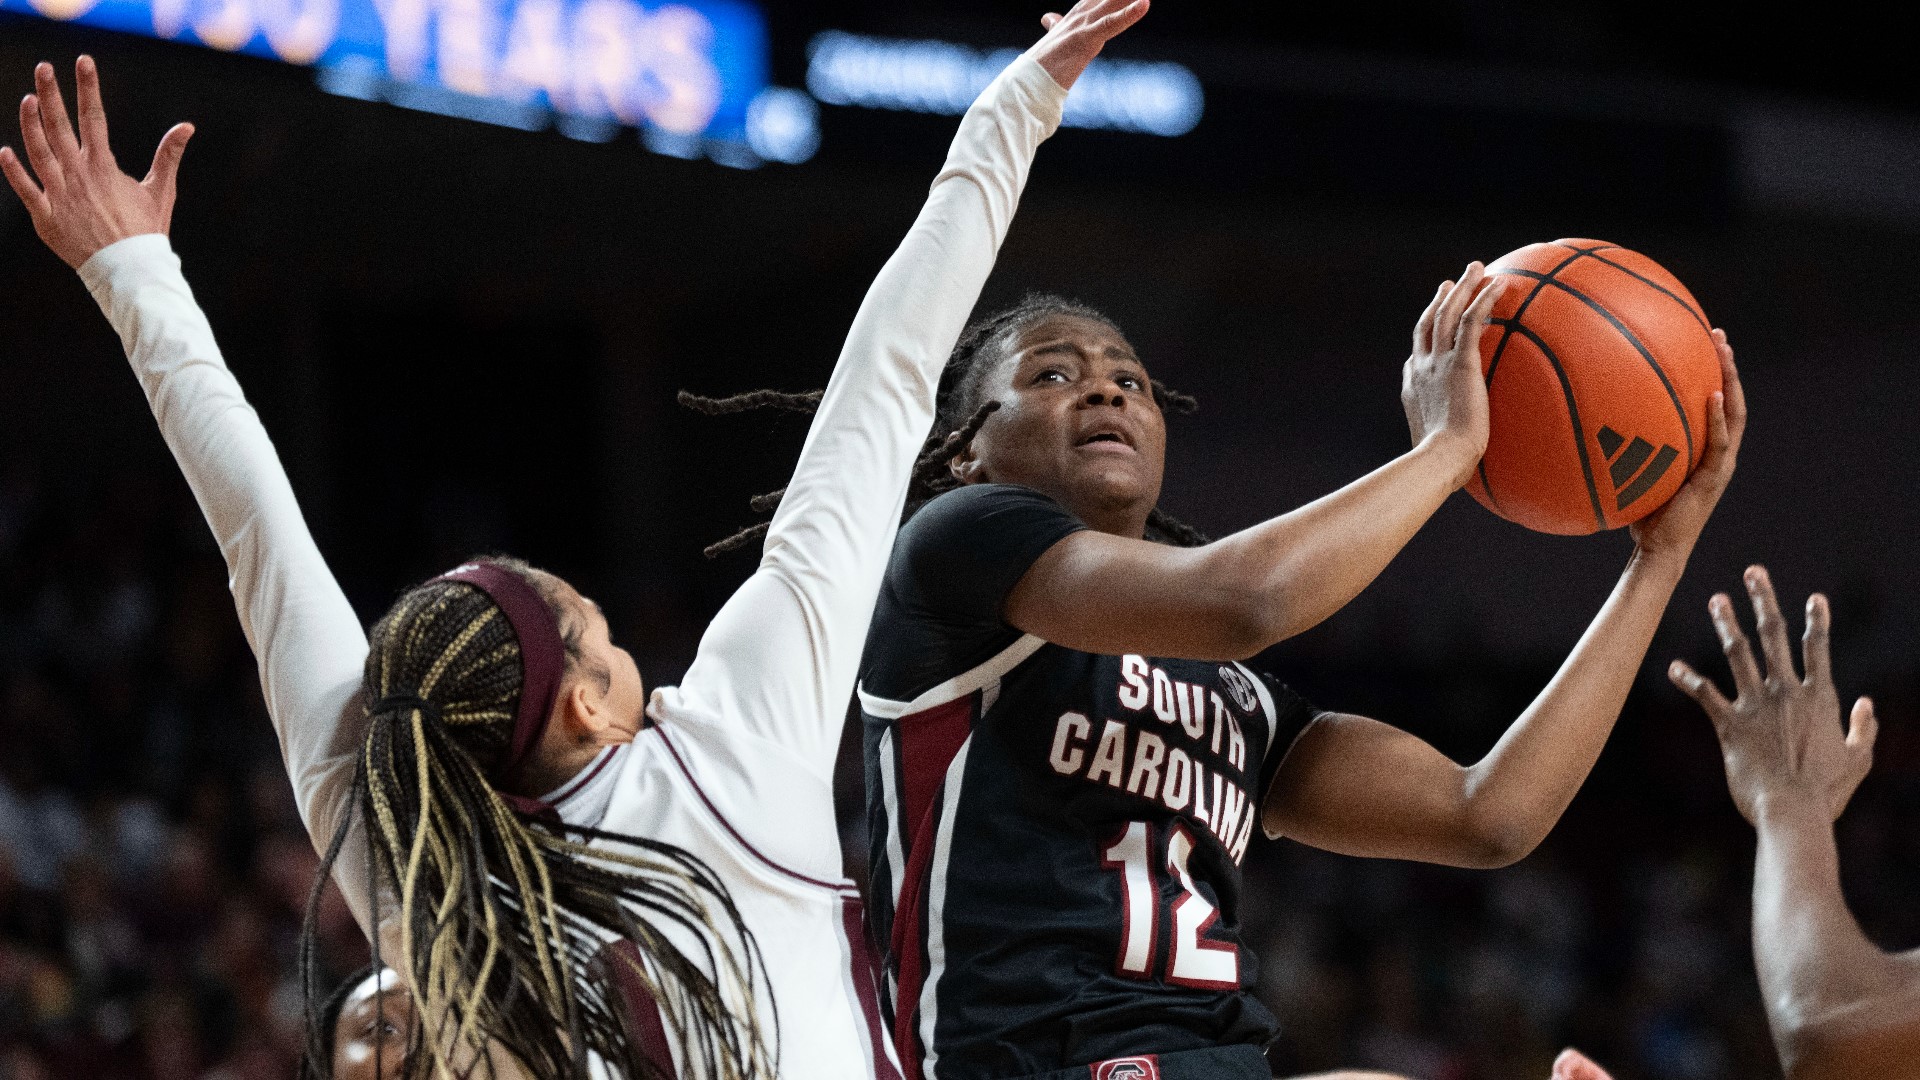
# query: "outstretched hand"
1441,386
83,202
1074,39
1674,527
1781,737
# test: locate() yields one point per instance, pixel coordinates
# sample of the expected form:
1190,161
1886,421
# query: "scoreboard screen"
691,76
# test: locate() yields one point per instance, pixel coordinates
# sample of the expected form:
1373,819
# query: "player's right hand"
83,202
1074,39
1781,737
1441,387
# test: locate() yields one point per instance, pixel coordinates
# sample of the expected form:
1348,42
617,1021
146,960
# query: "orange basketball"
1599,367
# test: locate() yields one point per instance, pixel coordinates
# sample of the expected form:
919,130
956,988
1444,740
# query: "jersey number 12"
1195,961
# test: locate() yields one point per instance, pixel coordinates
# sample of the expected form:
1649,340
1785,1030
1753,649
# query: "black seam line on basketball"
1697,316
1673,395
1586,251
1510,321
1573,414
1493,365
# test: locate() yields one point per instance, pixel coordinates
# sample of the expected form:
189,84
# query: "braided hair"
505,920
961,408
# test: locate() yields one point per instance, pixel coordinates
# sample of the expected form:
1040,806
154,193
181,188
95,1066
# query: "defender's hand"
1074,39
83,201
1441,386
1673,528
1781,737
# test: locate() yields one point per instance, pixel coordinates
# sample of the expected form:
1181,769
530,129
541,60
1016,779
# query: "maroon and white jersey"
738,770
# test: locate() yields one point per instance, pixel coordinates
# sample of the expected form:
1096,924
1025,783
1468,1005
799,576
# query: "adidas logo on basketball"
1630,481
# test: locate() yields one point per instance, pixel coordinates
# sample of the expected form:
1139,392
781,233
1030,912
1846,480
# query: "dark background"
467,339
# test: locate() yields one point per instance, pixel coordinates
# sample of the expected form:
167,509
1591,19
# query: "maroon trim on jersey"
928,741
645,1025
574,786
866,982
836,886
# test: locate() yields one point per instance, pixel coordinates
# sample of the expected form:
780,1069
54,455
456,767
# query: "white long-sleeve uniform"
738,770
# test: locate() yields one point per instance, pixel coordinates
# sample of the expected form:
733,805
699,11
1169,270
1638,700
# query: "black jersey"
1057,835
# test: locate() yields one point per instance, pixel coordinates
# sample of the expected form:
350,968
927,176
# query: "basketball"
1600,366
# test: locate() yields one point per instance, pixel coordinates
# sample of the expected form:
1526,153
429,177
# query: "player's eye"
1131,382
1050,375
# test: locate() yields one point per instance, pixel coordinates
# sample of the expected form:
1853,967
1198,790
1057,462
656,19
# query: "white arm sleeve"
306,637
780,659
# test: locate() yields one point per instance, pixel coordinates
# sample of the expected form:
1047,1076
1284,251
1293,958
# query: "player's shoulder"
972,528
972,505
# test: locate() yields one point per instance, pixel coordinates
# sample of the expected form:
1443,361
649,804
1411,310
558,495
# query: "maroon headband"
543,655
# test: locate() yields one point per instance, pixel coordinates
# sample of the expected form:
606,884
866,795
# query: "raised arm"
781,657
1105,593
1839,1006
1361,787
113,230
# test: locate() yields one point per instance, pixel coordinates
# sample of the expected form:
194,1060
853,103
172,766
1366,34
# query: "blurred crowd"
153,870
154,873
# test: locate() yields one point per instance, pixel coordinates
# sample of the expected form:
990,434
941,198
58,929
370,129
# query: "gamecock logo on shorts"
1239,686
1145,1067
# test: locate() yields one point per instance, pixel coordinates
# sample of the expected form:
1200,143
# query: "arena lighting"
690,75
1149,97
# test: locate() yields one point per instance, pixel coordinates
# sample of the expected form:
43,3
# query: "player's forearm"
1833,998
1517,793
1294,571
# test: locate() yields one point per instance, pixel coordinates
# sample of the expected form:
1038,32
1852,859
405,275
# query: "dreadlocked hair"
961,408
516,938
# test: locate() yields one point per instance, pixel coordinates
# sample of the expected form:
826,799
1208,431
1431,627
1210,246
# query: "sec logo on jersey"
1239,686
1146,1067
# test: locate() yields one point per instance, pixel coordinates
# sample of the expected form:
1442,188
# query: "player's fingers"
1733,642
1049,20
1423,328
53,118
1475,320
1574,1065
1110,26
93,111
1814,653
1699,688
30,194
1863,727
1447,324
1770,625
33,135
166,163
1736,396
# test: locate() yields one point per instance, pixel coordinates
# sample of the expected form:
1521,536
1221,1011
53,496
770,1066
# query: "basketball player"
1840,1008
370,1022
510,800
1066,758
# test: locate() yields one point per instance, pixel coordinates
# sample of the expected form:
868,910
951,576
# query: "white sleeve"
780,659
307,639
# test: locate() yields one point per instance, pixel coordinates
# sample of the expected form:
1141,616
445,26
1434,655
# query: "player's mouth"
1108,441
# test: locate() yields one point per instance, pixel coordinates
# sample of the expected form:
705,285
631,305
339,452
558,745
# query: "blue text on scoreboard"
688,74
